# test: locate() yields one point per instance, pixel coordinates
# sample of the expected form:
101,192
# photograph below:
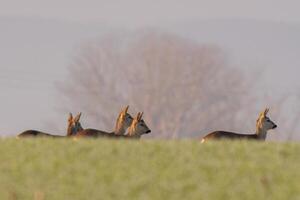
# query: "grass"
148,169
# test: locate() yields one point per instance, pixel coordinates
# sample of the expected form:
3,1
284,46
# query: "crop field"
148,169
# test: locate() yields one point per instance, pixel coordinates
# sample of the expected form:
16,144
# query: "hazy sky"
138,12
35,55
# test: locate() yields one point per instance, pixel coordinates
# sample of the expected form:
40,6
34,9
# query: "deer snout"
275,126
149,131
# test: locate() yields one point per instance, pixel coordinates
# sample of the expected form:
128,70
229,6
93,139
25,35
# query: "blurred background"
191,66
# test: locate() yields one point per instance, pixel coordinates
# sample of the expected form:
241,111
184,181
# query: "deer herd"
136,127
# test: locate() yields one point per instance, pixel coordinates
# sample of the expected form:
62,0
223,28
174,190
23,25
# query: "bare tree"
184,88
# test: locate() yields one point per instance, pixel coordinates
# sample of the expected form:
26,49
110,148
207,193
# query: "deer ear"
70,117
262,114
137,116
141,115
266,111
126,109
77,118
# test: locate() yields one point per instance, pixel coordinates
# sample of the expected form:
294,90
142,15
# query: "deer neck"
69,131
132,133
261,132
119,129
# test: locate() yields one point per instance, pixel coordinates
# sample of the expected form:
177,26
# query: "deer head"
74,125
138,127
264,123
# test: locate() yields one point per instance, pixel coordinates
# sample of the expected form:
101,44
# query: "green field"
148,169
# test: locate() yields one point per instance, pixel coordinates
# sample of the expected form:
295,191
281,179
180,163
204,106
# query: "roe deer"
263,124
138,127
73,127
124,120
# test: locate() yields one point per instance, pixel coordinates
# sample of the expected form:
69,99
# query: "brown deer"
74,126
124,120
138,127
263,124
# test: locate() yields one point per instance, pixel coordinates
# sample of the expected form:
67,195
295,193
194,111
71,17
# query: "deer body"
229,135
73,127
35,133
263,124
123,122
98,133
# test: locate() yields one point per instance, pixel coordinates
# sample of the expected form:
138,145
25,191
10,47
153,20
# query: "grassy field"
147,169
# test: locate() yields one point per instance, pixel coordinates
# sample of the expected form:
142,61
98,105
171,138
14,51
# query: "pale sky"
137,12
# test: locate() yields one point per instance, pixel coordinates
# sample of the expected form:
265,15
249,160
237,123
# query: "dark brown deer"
124,120
74,126
263,124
